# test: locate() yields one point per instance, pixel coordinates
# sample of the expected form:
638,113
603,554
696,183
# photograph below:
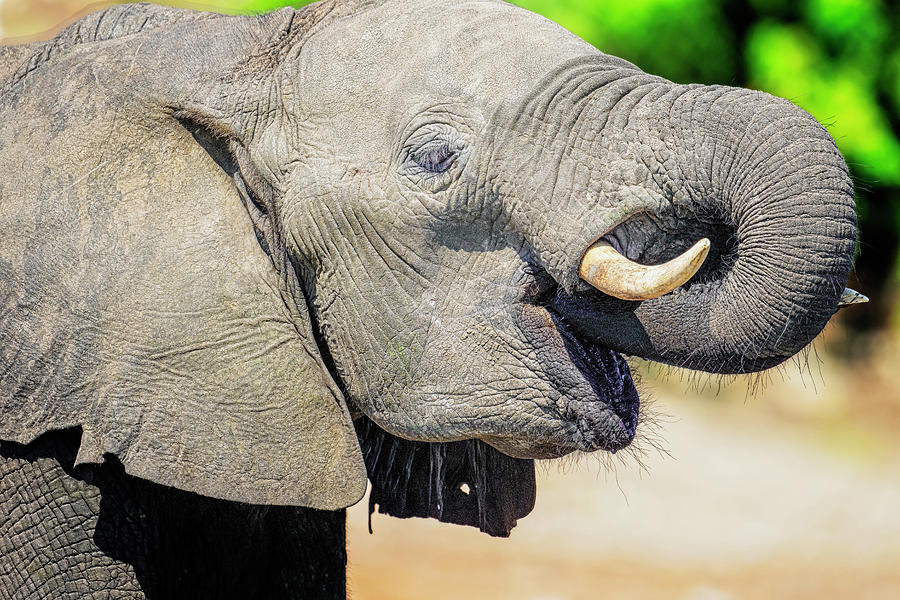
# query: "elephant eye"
435,157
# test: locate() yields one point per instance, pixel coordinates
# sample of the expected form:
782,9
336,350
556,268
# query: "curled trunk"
788,203
757,175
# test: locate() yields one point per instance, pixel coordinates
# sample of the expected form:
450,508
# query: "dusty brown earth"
789,491
745,507
39,18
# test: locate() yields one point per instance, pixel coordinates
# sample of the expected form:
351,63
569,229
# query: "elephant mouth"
612,425
600,404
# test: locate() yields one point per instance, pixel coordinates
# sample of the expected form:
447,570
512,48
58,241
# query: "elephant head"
223,238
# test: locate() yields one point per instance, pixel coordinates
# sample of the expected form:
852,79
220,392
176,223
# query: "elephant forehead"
399,54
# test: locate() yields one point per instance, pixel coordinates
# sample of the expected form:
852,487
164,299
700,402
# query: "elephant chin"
600,404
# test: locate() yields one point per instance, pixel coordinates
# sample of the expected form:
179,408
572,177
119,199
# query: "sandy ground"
749,503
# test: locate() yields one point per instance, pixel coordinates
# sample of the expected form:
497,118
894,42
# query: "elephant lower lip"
609,376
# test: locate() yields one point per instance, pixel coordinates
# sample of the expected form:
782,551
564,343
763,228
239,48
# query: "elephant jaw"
598,403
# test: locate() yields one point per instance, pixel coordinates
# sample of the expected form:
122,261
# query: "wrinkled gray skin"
222,236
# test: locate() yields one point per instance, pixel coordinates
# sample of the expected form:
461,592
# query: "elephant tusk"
613,274
850,297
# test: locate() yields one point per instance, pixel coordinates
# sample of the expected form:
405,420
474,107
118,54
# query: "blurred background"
785,484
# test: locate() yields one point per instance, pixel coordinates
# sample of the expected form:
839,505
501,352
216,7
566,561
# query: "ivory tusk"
613,274
850,297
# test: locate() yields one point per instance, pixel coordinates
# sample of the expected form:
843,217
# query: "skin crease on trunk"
225,239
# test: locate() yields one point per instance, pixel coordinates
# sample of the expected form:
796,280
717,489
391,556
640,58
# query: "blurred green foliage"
838,59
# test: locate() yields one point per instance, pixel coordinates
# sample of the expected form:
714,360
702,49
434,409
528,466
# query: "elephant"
249,263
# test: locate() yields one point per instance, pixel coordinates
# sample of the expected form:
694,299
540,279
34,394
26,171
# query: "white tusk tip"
850,297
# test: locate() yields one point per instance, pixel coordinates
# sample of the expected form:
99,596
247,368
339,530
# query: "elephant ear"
139,302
